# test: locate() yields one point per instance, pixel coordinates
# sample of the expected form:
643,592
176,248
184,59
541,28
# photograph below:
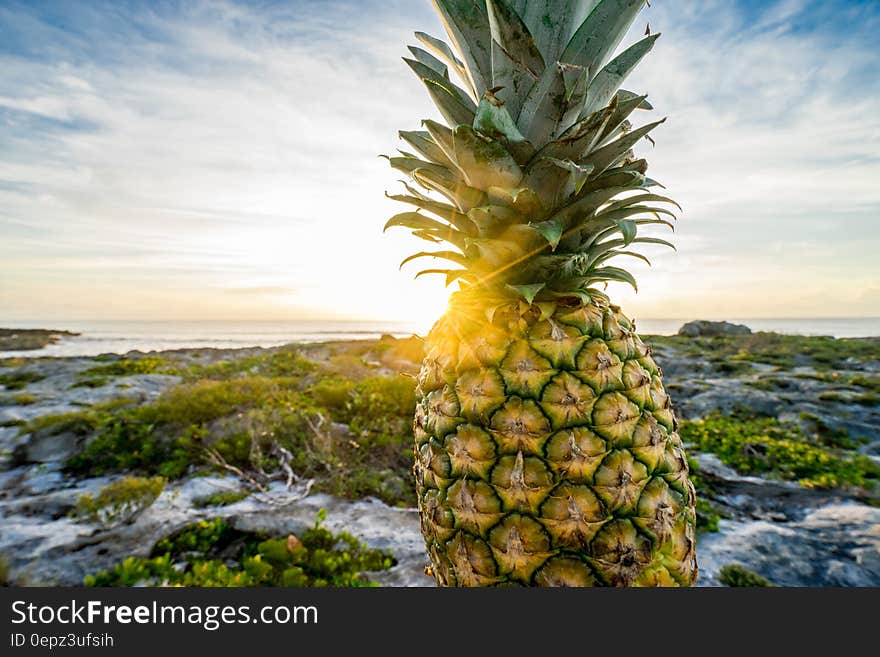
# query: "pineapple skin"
546,453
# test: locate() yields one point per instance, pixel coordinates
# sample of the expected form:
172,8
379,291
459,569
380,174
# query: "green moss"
768,384
25,399
823,353
119,499
285,363
19,379
81,423
871,382
220,498
708,515
738,576
4,571
192,557
332,393
764,445
14,422
734,367
130,366
94,382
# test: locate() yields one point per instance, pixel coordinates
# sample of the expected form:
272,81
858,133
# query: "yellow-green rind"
546,453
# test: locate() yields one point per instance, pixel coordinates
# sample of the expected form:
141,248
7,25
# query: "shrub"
94,382
220,498
119,500
4,572
191,557
130,366
737,576
763,445
19,379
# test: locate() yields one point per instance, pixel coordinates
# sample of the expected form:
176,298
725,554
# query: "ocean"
120,336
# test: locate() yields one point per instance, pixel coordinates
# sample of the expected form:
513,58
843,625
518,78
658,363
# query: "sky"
219,160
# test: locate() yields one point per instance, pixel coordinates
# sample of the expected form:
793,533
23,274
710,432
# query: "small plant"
764,445
708,515
120,500
737,576
25,399
19,379
128,367
4,572
220,498
192,557
93,382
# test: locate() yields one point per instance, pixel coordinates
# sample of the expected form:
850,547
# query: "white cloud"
239,152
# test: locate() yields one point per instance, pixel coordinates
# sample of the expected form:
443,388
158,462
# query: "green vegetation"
766,446
211,553
871,382
770,383
708,515
19,379
737,576
267,408
286,363
4,572
25,399
130,366
823,353
865,399
220,498
119,500
93,382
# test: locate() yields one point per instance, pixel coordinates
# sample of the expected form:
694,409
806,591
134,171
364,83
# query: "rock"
727,397
834,545
29,339
704,327
45,447
46,547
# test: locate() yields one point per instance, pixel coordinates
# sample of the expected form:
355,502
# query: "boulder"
46,447
704,327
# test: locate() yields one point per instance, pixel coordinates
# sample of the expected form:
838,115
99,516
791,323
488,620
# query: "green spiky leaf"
493,120
601,33
509,32
444,52
466,22
414,220
453,109
606,83
452,256
527,292
430,61
628,229
551,231
427,147
609,155
544,107
614,274
484,161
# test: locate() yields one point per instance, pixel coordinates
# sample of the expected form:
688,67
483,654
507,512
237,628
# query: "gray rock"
46,447
704,327
834,545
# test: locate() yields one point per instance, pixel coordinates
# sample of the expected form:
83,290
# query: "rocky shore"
29,339
793,523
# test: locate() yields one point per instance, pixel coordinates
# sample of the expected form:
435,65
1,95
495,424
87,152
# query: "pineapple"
546,451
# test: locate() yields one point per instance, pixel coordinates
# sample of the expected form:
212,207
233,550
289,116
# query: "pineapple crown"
539,184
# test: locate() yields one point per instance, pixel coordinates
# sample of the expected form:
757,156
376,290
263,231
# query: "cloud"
212,146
